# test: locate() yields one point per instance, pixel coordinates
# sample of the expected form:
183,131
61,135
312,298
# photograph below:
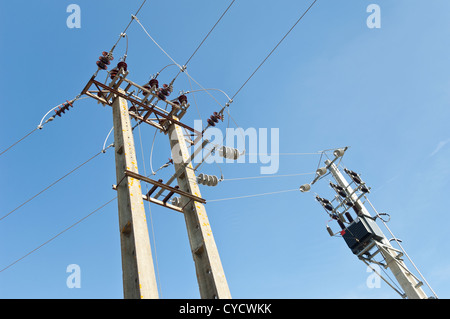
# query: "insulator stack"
213,119
164,92
147,86
339,152
339,189
325,203
230,153
330,231
62,109
176,201
305,188
104,60
364,189
154,83
321,171
208,180
182,99
354,176
349,202
114,72
122,65
349,217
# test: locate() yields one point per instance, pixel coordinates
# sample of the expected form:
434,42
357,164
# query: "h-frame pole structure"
139,280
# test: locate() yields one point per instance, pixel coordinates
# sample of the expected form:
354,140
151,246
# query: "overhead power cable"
292,154
57,235
17,142
204,39
183,68
255,195
154,41
132,18
54,183
65,107
273,50
260,65
266,176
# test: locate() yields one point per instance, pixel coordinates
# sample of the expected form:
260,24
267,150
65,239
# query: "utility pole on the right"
361,232
409,284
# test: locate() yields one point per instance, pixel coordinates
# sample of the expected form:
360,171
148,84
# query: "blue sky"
333,82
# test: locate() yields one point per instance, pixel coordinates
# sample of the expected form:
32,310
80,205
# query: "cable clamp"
229,102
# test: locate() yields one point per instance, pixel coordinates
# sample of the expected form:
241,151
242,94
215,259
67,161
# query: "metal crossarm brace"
164,186
167,119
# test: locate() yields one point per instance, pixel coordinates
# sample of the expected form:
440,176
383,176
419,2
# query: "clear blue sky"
333,82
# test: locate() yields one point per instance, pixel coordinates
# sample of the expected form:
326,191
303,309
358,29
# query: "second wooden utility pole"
210,274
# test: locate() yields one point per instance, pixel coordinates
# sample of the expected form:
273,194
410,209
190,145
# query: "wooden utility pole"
210,274
139,281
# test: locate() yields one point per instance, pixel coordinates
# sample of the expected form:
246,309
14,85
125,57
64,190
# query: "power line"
204,39
42,123
132,18
183,69
57,235
291,154
54,183
17,142
154,41
255,195
266,176
265,59
201,86
301,17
